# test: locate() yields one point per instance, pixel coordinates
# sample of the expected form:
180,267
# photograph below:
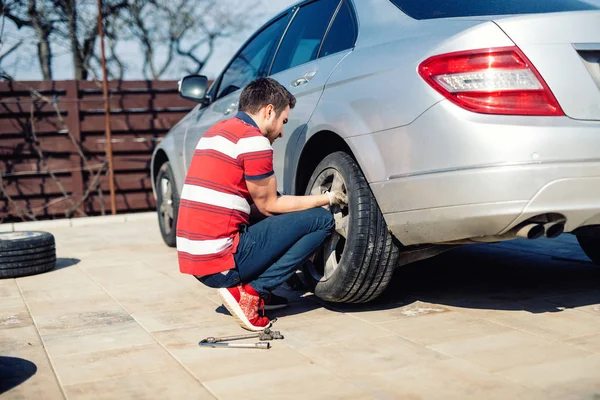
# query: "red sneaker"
243,302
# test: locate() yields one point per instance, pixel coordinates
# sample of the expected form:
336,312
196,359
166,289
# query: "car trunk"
565,49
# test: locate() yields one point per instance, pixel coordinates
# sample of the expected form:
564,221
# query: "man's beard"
271,133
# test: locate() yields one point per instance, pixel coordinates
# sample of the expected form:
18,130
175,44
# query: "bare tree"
185,31
40,17
80,28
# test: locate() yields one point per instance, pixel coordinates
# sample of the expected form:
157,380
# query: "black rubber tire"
29,257
591,247
26,253
371,253
169,236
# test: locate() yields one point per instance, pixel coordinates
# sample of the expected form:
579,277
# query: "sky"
26,67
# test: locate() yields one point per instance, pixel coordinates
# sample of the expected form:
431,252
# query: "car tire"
167,204
26,253
361,270
591,247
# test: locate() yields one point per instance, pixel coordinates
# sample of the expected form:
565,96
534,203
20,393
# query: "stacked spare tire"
26,253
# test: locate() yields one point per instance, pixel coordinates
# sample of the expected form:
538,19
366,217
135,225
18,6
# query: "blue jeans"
270,251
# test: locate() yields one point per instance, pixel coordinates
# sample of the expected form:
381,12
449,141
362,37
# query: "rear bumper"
488,201
452,174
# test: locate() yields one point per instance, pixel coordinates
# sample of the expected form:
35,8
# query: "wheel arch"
160,157
316,148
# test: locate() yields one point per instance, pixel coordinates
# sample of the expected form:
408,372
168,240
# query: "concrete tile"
309,381
123,273
15,340
324,331
14,317
442,327
171,298
397,312
119,289
6,227
168,384
99,220
10,295
33,363
172,318
88,316
41,225
590,343
88,367
553,325
213,364
144,216
504,350
445,379
67,283
21,348
68,305
574,378
381,354
101,338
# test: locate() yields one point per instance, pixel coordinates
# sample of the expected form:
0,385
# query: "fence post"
74,124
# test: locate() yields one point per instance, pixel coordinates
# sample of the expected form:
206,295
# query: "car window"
253,60
343,32
419,9
303,39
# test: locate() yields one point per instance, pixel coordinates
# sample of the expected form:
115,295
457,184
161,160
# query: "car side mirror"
194,87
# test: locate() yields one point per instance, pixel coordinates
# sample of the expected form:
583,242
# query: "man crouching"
231,177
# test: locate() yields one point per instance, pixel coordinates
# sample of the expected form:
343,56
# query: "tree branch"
13,48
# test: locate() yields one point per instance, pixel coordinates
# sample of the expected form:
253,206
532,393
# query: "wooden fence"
52,146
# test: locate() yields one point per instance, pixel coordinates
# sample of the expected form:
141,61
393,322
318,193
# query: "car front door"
320,35
251,62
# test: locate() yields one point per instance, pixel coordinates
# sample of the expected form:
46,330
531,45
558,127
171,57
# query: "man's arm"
264,195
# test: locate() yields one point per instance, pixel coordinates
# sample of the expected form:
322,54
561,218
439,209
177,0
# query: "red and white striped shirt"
215,200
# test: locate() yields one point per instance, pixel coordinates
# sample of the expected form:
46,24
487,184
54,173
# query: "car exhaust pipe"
531,231
554,229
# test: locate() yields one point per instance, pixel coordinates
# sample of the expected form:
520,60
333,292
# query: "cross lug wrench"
266,334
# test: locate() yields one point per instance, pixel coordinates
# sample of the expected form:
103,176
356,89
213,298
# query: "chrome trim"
587,46
335,13
495,165
294,11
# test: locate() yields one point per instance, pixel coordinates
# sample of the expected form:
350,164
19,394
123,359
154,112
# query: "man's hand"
337,197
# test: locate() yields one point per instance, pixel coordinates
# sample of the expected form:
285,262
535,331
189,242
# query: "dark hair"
262,92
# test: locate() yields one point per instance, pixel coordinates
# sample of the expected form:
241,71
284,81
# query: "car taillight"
491,81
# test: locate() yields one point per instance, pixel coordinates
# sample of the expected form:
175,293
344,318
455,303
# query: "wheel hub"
326,260
166,206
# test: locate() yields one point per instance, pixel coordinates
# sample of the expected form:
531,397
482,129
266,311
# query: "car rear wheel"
591,247
357,261
167,204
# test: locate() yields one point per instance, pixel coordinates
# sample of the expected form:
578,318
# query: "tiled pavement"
116,320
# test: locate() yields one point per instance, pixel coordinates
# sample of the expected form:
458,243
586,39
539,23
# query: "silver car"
447,123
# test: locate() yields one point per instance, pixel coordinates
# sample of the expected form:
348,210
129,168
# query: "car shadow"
535,276
14,371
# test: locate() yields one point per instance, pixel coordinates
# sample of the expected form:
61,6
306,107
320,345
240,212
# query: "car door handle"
232,107
304,79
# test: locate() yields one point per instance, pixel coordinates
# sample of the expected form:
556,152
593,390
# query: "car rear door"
322,33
